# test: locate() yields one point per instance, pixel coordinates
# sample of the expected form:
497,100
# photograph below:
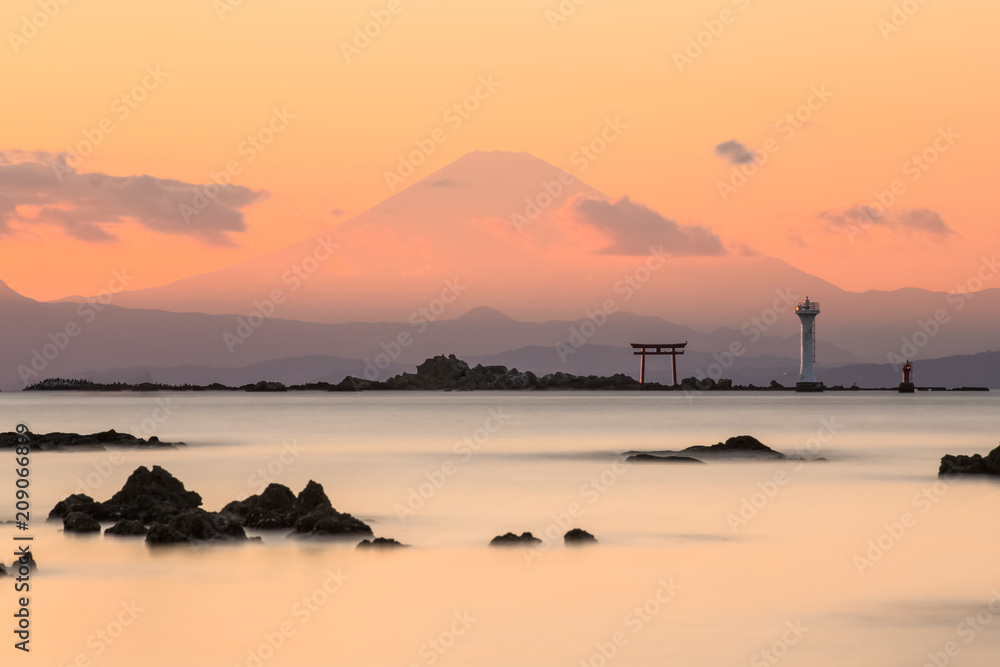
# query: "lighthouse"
807,312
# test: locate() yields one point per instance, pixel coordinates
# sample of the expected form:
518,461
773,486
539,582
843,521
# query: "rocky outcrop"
161,534
148,497
451,373
155,503
652,458
78,522
309,514
14,569
971,465
381,543
328,522
274,509
61,442
578,537
513,540
127,528
740,447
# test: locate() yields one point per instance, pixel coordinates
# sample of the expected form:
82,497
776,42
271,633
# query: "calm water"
862,560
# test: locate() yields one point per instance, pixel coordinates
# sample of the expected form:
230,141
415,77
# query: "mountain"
514,233
972,370
108,342
8,294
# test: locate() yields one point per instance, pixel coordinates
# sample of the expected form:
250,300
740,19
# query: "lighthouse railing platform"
807,306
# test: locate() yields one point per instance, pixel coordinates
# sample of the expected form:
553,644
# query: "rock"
576,537
161,534
157,484
512,540
328,522
127,527
381,543
70,504
197,524
78,522
971,465
651,458
58,442
309,514
271,510
147,496
740,447
311,498
14,568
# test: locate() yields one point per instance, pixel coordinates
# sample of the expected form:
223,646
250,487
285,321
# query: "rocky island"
63,442
157,505
971,465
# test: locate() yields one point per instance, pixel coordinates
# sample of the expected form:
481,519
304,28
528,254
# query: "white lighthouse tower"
807,312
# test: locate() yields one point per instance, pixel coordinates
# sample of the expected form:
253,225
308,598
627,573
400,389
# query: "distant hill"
507,231
972,370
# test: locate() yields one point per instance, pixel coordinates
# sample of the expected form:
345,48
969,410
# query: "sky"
855,140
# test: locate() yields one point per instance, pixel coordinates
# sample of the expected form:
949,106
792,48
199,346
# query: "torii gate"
673,349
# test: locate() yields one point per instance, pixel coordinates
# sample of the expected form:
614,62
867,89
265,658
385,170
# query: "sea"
850,552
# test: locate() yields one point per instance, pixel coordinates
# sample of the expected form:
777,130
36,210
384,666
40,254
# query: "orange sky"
224,76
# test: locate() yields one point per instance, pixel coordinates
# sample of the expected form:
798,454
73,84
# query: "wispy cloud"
632,228
920,220
87,205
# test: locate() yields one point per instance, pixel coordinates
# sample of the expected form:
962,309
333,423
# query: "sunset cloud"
735,152
921,220
632,228
85,205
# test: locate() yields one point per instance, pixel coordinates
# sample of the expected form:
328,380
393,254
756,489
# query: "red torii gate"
654,349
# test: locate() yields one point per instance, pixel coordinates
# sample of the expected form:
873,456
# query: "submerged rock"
971,465
740,447
271,510
328,522
196,525
59,442
161,534
127,527
381,543
513,540
78,522
652,458
14,568
577,536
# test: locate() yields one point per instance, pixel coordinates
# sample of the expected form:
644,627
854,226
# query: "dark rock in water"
652,458
328,522
271,510
309,514
78,522
146,486
160,534
14,568
203,526
70,504
194,526
578,536
148,496
381,543
127,527
971,465
58,442
311,498
740,447
512,540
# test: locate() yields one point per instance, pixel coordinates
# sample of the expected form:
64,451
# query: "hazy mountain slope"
483,231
